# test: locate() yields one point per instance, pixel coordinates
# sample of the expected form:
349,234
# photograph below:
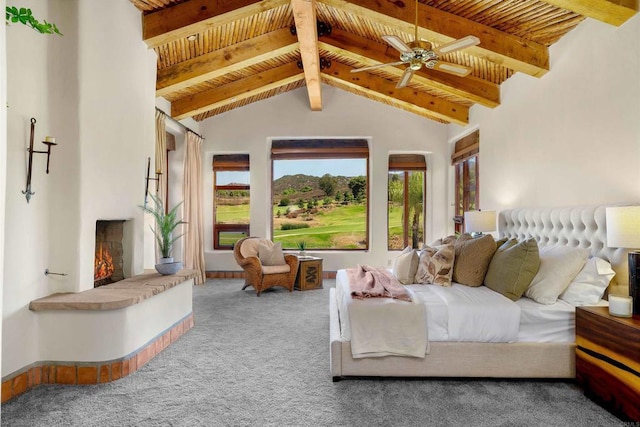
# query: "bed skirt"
454,359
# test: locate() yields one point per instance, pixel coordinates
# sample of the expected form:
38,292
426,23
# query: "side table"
608,360
309,273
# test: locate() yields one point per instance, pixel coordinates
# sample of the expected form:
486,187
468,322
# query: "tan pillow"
271,255
405,266
513,267
472,260
436,265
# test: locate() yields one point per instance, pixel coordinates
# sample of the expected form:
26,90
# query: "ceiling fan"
420,52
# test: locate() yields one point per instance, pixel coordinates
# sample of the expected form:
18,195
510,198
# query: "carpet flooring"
265,362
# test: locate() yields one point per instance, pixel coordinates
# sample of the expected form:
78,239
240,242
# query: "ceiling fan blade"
397,43
456,69
357,70
457,45
406,77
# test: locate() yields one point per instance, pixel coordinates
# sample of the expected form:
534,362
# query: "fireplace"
109,260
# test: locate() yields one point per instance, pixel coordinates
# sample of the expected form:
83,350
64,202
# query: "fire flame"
103,265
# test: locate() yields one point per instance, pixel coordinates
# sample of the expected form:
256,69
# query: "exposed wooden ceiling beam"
304,15
614,12
411,100
235,91
195,16
224,61
439,27
368,52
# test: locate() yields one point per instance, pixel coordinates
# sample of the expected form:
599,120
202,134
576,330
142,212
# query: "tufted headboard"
580,226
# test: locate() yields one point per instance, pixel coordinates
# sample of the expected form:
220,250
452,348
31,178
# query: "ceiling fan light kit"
421,52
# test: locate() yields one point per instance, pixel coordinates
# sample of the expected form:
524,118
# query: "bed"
547,352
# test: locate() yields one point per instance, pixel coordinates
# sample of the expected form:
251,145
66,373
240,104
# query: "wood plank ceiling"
218,55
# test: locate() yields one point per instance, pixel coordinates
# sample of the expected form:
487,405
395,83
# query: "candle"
620,305
49,139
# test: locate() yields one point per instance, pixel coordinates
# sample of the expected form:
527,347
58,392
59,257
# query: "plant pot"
168,260
302,254
168,268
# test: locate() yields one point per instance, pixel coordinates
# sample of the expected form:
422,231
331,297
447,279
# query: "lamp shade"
479,221
623,227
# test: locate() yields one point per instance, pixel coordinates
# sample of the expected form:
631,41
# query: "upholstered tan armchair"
261,277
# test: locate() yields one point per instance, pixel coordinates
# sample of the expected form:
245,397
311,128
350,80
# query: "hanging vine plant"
25,16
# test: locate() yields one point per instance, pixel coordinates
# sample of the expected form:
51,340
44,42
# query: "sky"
335,167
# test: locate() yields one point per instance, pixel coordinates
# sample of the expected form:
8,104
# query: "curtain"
161,157
192,191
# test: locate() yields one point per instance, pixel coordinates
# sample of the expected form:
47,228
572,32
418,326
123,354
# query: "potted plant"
166,224
302,246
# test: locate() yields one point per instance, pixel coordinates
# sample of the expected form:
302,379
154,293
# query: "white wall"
3,160
571,137
249,129
94,90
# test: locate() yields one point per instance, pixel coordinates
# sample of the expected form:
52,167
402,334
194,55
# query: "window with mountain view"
319,194
406,201
231,199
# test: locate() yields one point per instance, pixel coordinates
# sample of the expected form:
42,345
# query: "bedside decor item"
478,222
302,246
166,224
623,231
48,141
620,305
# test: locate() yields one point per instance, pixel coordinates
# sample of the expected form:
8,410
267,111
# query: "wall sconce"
148,178
48,141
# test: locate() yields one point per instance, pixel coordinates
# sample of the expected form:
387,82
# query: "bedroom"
569,138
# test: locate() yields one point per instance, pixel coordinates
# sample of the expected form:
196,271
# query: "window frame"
466,150
406,163
229,163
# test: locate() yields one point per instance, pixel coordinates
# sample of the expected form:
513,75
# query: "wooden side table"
309,273
608,360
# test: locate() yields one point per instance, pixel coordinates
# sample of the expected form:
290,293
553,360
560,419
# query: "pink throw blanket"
371,282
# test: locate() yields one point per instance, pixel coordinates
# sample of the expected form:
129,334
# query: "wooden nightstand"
309,273
608,360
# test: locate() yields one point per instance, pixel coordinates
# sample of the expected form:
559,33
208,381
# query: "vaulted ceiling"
218,55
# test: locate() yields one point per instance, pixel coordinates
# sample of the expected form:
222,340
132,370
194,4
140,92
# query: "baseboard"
240,274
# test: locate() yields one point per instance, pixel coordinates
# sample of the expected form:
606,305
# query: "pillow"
558,266
436,265
472,260
588,287
513,267
271,255
444,241
405,266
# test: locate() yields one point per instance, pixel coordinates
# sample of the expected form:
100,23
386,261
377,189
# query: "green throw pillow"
513,267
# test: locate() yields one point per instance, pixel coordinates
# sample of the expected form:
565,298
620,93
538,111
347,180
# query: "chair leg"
245,286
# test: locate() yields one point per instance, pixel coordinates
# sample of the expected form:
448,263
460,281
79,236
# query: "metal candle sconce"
156,179
48,141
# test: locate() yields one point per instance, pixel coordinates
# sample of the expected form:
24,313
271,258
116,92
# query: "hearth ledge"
114,296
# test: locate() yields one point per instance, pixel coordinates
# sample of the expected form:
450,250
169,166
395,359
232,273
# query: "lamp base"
634,280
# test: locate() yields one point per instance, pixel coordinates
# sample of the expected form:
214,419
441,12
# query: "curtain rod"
178,123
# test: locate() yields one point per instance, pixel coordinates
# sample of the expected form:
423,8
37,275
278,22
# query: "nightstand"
608,360
309,273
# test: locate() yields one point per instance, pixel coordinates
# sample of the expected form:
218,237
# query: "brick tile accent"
133,365
46,373
87,375
65,374
125,368
116,371
37,376
20,384
166,340
7,391
105,373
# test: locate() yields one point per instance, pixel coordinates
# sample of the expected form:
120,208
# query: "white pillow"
271,255
405,266
558,266
588,287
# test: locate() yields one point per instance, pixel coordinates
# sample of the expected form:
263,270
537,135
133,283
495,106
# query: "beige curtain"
161,157
192,191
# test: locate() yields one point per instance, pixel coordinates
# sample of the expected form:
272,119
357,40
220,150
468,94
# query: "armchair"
262,277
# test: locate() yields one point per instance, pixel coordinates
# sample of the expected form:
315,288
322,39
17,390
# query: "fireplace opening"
109,252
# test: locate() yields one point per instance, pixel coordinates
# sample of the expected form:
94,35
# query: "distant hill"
302,182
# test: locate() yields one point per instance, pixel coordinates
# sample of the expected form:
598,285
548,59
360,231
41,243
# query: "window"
230,199
406,197
320,193
465,162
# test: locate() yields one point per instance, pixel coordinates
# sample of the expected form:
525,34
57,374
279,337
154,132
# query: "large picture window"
465,162
320,193
231,199
406,196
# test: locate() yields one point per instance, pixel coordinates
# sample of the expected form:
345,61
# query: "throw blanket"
371,282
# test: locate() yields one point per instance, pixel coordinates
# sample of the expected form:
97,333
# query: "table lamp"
478,222
623,231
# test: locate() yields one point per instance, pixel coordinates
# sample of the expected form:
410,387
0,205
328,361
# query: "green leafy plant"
302,245
166,224
25,16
